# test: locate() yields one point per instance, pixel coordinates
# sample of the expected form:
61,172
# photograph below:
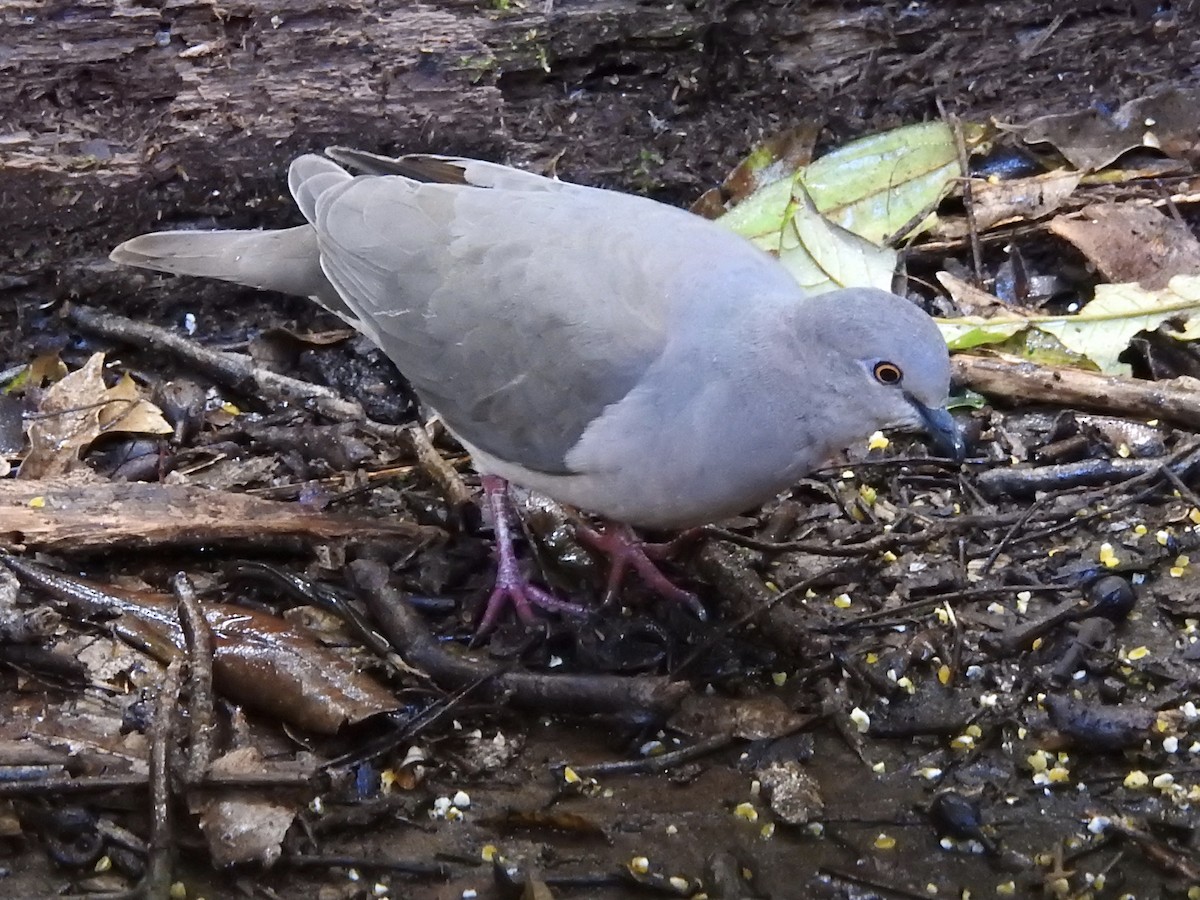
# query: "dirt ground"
918,678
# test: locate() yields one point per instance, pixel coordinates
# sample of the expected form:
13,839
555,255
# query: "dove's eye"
888,373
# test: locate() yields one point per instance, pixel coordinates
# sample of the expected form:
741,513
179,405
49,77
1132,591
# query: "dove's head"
888,361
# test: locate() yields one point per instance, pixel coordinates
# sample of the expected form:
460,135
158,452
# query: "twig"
889,618
1010,534
960,146
95,784
373,863
242,374
431,462
160,866
769,601
1184,491
874,885
1184,458
576,694
199,640
1019,481
662,762
232,369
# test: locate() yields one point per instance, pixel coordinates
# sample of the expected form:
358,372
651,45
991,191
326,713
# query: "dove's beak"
944,433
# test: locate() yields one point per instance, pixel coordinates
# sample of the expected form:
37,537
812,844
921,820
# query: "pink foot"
625,551
511,586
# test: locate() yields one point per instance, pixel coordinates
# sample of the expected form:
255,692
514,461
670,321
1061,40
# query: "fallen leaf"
245,827
887,185
973,301
78,409
127,411
823,256
1017,200
1100,331
1132,243
775,159
829,220
259,660
67,421
1091,139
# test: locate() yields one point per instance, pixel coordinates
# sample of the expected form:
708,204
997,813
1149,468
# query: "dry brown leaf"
46,368
259,660
1132,243
970,300
764,717
128,411
778,157
67,421
1091,139
78,409
1021,198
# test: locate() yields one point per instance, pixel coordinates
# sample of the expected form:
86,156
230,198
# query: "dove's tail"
286,261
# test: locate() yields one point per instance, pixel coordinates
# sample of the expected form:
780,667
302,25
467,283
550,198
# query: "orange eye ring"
888,373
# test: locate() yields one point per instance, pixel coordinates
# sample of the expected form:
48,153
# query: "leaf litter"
924,673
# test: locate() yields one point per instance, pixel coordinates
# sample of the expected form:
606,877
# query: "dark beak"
944,433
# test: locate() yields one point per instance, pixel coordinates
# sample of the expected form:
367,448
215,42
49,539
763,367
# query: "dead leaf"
776,158
1021,199
1098,334
1091,139
127,411
259,660
794,794
753,719
67,421
536,889
46,368
555,819
1132,243
970,300
78,409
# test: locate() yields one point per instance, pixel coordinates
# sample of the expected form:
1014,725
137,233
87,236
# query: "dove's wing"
519,312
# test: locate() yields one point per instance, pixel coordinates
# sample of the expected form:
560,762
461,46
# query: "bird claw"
618,542
516,590
625,551
513,588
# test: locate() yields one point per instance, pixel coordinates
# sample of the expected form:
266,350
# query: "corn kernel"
746,811
1136,779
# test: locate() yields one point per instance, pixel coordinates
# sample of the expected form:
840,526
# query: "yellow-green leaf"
877,185
824,257
1101,331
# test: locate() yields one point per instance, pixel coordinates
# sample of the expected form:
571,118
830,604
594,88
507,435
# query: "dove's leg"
625,551
511,586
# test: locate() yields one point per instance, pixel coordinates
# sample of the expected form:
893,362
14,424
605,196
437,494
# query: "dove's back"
518,307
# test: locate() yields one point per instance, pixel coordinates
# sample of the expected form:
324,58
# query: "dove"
614,353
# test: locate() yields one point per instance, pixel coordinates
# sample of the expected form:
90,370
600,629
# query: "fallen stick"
241,373
1135,398
75,515
644,697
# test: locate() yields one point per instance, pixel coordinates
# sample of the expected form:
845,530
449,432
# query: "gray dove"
612,352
